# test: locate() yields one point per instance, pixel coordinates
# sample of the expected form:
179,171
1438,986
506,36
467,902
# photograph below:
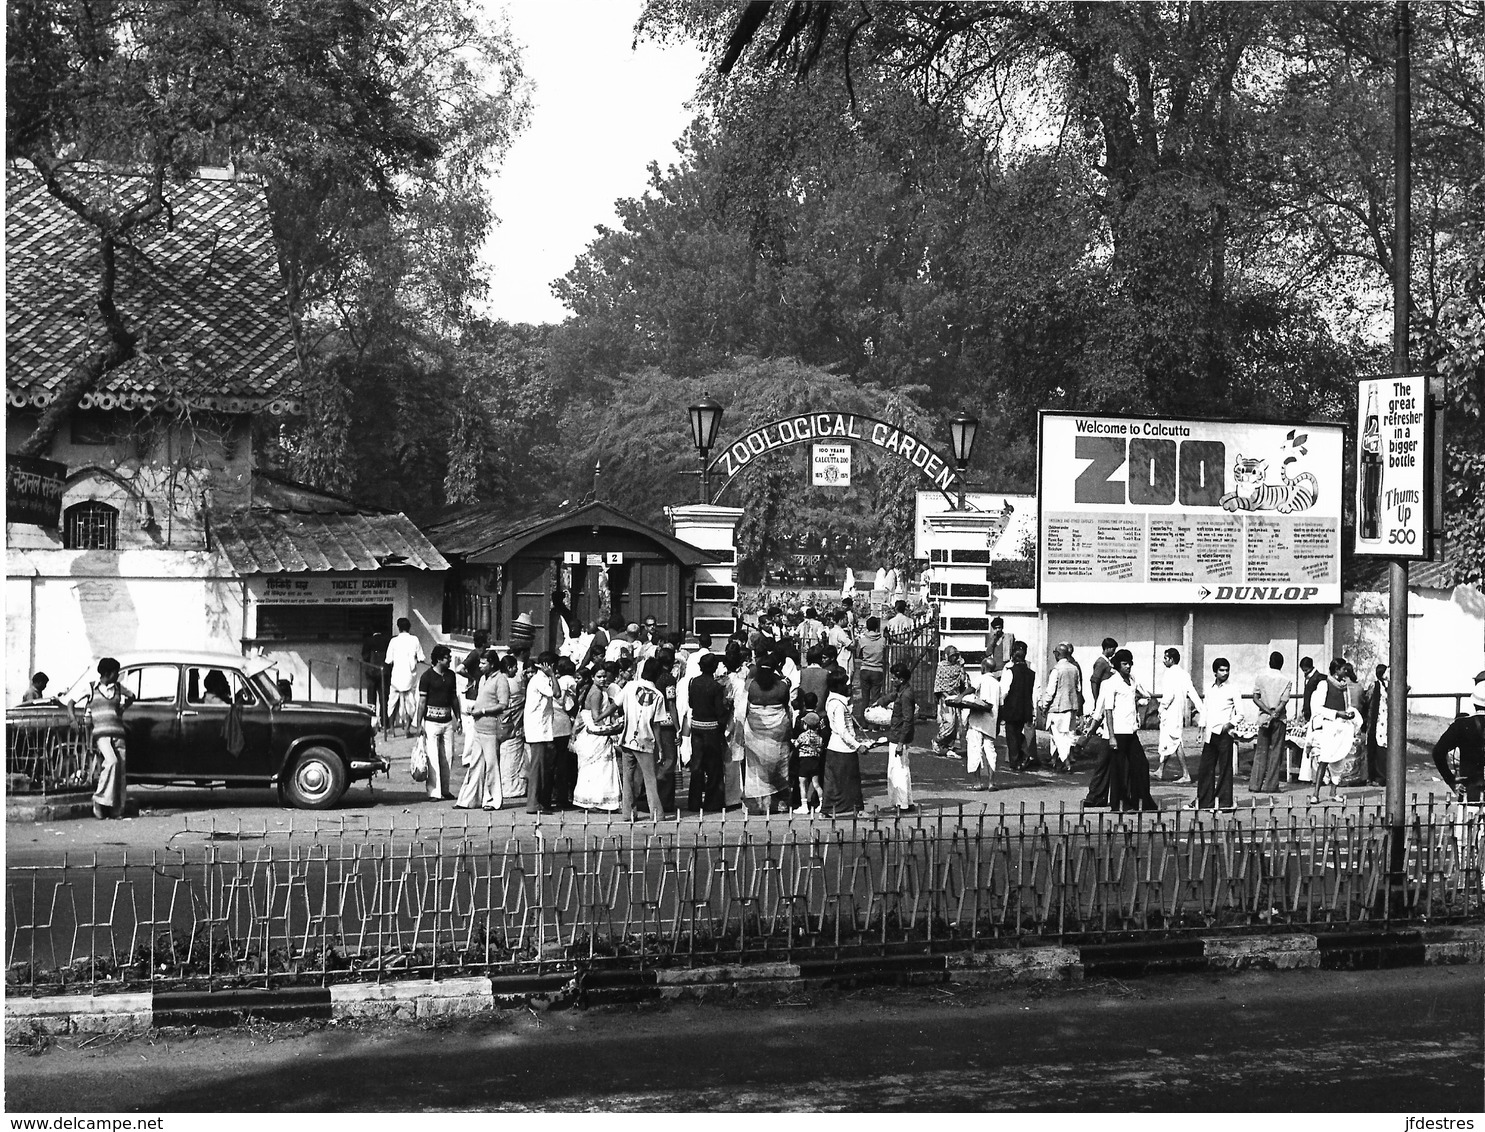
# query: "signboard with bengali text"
312,589
33,491
1133,510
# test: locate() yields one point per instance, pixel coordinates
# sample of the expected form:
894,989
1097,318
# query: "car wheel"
317,780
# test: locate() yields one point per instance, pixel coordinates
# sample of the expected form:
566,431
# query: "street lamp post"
962,431
706,418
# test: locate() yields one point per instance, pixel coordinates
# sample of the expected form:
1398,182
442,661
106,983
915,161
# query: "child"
809,743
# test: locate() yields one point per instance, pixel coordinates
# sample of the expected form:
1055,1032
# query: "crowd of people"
777,716
627,719
1336,726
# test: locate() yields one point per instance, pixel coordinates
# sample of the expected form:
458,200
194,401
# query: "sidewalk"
940,785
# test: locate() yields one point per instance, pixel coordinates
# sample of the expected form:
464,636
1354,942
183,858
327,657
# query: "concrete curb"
27,808
414,1000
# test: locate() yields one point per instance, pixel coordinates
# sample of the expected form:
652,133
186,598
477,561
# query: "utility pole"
1397,615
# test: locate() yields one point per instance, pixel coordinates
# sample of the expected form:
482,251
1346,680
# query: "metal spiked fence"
317,906
48,757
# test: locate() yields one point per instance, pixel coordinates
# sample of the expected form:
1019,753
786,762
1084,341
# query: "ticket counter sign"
1134,510
1391,473
831,464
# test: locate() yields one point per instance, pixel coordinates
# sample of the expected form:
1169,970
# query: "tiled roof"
201,284
294,542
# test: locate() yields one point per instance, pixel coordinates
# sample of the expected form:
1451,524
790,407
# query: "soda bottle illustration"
1371,472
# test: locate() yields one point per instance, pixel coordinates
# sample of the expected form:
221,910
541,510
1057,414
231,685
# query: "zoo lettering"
818,426
1160,471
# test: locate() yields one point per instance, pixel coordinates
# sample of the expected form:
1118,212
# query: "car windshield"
77,691
267,686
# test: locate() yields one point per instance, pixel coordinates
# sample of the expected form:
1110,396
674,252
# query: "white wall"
1446,640
65,609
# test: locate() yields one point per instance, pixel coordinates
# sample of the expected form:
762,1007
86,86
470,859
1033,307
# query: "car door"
203,750
151,721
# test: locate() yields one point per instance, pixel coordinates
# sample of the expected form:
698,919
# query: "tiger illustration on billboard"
1251,492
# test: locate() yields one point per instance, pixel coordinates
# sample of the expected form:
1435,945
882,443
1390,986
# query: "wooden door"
530,592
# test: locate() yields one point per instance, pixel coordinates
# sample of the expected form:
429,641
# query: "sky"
600,113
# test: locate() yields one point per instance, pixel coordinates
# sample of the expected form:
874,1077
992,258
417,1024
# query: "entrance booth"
588,564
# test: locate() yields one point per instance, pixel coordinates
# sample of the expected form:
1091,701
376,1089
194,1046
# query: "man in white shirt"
901,622
1118,708
839,635
1214,774
540,723
404,654
981,725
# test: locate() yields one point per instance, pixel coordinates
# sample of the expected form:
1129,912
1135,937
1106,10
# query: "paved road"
188,818
1392,1041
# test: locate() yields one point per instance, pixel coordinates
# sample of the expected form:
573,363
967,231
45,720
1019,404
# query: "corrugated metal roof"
296,542
200,284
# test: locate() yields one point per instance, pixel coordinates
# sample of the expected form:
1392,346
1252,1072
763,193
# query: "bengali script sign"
1137,511
312,589
33,491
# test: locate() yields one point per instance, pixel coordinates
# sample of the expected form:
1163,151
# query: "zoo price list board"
1139,511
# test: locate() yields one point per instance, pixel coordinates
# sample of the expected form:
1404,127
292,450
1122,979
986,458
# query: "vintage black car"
178,729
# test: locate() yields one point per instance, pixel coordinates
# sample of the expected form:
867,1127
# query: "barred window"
90,525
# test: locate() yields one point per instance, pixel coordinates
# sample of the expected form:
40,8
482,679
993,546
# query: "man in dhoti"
1063,703
1175,689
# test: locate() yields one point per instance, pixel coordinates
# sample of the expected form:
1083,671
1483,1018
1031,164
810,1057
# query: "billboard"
1133,510
1391,473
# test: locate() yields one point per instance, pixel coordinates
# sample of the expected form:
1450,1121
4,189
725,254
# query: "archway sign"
739,454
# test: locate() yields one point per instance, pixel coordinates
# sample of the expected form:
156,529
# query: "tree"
880,240
1156,104
159,89
377,279
636,427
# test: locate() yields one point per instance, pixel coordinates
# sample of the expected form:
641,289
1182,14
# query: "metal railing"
333,905
50,757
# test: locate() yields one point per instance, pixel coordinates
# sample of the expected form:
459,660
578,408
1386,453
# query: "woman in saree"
513,760
842,779
1334,724
599,720
1351,771
950,682
766,727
